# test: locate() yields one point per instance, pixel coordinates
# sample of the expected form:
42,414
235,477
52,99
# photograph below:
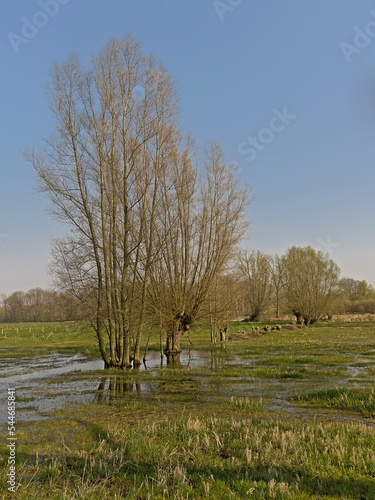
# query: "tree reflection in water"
115,384
117,387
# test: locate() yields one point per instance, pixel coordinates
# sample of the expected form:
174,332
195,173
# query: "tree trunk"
175,331
213,334
126,363
173,341
173,359
137,354
223,334
298,315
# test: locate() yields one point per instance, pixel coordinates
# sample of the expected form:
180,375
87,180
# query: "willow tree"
115,131
277,274
254,267
312,281
201,222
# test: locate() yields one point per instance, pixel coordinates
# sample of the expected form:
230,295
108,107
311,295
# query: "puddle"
361,365
30,369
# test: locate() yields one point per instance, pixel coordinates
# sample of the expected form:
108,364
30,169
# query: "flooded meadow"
287,415
54,381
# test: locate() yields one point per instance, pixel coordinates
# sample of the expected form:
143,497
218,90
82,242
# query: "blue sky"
238,65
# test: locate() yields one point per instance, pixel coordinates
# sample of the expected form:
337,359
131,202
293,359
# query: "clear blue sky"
313,176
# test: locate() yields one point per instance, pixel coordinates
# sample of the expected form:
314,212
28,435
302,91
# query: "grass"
358,400
287,372
316,359
201,457
31,339
245,423
245,404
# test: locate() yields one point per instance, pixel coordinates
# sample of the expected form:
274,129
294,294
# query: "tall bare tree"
116,127
222,305
200,225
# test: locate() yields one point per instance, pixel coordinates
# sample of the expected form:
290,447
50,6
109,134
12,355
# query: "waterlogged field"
288,415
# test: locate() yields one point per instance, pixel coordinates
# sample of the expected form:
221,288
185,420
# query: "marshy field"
287,415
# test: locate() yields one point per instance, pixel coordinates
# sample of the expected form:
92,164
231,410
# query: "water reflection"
118,386
174,359
191,358
115,384
50,382
47,383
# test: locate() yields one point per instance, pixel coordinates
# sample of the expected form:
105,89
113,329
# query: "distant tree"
277,275
14,307
254,267
2,312
39,304
221,305
312,280
358,296
356,289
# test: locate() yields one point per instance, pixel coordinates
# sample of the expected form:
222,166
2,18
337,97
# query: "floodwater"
56,381
40,388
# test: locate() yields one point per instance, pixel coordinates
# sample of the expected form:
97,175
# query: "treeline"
356,297
302,282
38,305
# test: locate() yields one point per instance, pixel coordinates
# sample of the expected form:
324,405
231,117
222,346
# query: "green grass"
246,424
31,339
293,372
316,359
359,400
195,456
248,405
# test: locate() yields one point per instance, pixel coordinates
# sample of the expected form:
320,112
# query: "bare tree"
277,274
2,308
201,223
39,304
100,172
220,305
255,269
150,224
